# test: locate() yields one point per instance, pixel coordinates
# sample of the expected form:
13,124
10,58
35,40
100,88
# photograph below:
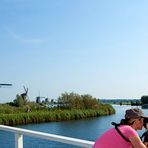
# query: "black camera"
145,122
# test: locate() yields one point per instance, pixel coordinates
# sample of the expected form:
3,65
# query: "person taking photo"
124,134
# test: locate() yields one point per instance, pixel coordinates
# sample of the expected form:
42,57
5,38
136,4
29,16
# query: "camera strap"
117,129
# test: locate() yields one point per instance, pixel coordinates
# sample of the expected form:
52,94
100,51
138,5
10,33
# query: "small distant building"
46,100
38,99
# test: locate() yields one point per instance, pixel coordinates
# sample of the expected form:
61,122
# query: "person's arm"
136,142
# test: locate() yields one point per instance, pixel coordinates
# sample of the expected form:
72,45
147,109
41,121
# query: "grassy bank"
41,116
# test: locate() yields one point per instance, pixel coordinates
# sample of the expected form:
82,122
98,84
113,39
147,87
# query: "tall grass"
53,115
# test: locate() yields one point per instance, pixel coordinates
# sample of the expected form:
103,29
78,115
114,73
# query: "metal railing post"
18,140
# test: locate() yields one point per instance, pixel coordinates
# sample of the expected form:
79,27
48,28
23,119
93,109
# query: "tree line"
76,101
65,101
144,99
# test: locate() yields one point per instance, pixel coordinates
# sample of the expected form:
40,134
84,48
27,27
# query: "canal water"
87,129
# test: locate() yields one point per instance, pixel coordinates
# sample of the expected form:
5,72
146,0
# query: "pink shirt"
112,139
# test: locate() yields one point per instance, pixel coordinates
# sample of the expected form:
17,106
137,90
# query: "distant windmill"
25,94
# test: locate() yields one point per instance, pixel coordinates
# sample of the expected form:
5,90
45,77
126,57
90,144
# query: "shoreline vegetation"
69,106
42,116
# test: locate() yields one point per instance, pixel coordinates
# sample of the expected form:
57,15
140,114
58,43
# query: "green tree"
19,102
76,101
144,99
71,100
90,102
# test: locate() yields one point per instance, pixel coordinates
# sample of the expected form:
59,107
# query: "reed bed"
41,116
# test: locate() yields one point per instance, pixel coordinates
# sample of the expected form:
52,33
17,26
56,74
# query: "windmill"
25,94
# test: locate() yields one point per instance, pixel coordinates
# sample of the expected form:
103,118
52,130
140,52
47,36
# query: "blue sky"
84,46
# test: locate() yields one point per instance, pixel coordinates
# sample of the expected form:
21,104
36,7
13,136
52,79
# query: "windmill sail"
5,84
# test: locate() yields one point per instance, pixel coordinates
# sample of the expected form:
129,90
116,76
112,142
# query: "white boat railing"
68,140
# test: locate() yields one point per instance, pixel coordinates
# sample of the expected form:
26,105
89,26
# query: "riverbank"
54,115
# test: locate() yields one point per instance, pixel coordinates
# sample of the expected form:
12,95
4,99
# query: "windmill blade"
5,84
26,90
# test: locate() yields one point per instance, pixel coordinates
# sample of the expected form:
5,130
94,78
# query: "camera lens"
145,122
